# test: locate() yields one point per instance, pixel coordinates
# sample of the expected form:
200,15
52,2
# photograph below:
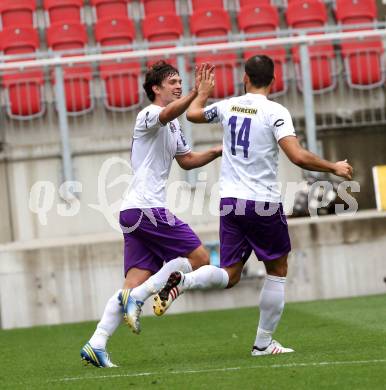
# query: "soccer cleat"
131,310
168,294
272,349
97,357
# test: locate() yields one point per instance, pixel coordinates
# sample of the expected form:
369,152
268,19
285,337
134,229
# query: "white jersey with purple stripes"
253,125
152,153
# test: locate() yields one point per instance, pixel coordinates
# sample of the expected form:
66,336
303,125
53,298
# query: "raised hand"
198,75
207,83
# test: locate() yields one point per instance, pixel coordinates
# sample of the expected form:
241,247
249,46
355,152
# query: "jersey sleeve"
149,119
212,112
182,145
281,123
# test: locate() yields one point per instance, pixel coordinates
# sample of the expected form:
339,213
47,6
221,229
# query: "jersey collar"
256,95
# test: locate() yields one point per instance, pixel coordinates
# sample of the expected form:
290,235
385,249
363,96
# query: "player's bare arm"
176,108
307,160
193,160
195,111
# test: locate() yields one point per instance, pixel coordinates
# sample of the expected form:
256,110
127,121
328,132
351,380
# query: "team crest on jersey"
211,114
172,127
244,110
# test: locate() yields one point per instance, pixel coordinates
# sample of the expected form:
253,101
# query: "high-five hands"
204,79
207,84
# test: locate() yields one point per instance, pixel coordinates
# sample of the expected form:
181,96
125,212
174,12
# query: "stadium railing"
321,90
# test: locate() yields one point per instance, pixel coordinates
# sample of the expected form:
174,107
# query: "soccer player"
251,216
152,234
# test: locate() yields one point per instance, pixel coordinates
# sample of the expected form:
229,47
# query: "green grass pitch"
340,344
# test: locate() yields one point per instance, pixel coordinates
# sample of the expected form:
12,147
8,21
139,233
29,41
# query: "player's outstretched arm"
205,88
178,107
307,160
193,160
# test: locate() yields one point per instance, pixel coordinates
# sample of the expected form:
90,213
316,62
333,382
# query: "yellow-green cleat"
132,310
97,357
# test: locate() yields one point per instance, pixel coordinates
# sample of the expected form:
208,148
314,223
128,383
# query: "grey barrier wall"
70,279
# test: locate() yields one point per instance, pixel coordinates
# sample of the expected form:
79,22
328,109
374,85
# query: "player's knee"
199,258
278,270
204,259
277,267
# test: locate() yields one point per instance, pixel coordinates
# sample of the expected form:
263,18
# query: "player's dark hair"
260,70
155,75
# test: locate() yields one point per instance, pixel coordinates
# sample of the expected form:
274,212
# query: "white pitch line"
133,375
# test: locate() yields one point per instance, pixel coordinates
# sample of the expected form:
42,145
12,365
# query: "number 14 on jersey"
240,136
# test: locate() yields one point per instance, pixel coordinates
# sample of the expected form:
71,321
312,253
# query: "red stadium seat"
121,80
165,27
60,11
110,9
24,94
265,18
114,32
306,14
356,11
322,66
255,3
213,23
17,13
162,28
77,78
258,19
313,14
121,85
155,7
363,63
216,23
19,40
23,88
66,36
363,58
206,4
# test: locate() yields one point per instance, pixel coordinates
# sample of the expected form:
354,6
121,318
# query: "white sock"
156,282
208,276
110,321
271,306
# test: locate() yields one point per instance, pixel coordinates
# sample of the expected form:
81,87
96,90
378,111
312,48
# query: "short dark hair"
155,75
260,70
